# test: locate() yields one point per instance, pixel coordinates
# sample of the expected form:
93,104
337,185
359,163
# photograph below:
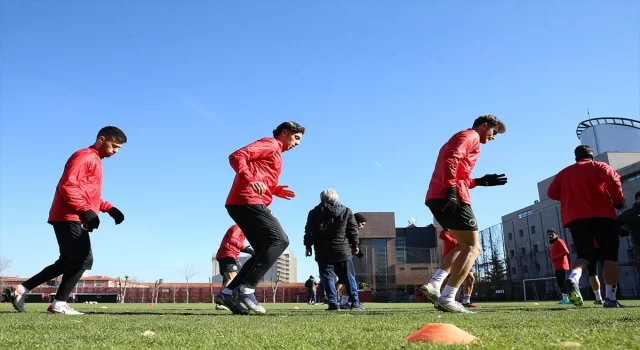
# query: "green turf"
381,326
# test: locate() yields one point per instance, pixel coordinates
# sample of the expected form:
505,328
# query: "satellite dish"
412,222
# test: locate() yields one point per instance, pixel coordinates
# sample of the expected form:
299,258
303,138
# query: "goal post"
524,284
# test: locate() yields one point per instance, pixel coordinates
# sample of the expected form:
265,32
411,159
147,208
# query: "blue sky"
375,81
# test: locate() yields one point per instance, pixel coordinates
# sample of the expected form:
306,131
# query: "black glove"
91,220
117,215
249,251
452,200
618,206
491,180
360,254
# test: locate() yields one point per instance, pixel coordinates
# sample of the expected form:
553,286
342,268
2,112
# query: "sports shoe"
573,291
564,302
345,306
230,302
222,307
355,306
598,302
471,305
17,298
608,303
333,307
431,292
451,306
251,302
63,309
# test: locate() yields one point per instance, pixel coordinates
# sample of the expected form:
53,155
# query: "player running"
258,167
589,192
449,200
227,256
73,215
560,261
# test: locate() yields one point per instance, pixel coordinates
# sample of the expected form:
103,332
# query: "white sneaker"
222,307
451,306
63,309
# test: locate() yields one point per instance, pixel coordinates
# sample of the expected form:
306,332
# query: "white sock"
565,297
611,292
22,289
227,291
345,299
57,303
245,290
438,277
598,295
466,299
575,274
449,293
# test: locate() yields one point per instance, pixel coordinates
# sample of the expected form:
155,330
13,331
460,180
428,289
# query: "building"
395,260
615,141
287,265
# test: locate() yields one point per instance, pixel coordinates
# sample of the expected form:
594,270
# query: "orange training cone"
442,333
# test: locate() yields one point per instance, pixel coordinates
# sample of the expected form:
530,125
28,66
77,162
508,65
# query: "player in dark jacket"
630,225
332,231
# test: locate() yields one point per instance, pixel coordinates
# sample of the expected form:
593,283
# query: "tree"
122,290
175,289
275,281
188,271
156,289
5,264
211,288
497,273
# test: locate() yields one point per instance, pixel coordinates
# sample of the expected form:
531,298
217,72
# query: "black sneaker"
333,307
231,303
357,306
17,298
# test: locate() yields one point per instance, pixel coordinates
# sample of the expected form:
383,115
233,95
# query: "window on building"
97,284
513,271
535,248
521,232
80,284
510,236
533,230
525,269
522,250
537,266
513,254
401,250
380,249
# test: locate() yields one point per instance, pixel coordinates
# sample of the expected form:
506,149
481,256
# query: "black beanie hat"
582,152
360,218
637,195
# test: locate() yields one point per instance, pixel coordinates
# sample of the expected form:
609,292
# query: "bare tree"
188,271
122,289
5,264
175,289
156,289
274,285
211,288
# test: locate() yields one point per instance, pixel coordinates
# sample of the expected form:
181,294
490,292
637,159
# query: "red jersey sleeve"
237,238
612,179
553,191
458,147
105,206
70,186
562,251
259,149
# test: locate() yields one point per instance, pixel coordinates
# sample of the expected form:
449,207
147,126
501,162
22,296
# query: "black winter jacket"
631,218
332,230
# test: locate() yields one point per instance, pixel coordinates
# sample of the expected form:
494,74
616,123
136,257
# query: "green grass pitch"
528,325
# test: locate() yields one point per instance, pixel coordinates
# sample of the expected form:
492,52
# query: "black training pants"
75,257
265,235
562,275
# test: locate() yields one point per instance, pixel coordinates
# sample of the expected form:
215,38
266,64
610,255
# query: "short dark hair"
492,121
583,152
360,218
637,195
113,133
289,125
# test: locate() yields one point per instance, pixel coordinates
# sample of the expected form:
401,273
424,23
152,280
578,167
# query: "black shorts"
605,232
228,265
461,219
594,262
75,245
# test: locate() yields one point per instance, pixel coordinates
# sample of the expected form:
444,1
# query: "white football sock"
598,294
438,277
466,299
22,289
57,303
449,293
227,291
611,292
575,274
245,290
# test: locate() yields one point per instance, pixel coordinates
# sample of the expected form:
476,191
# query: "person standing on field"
589,193
560,261
258,167
73,215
